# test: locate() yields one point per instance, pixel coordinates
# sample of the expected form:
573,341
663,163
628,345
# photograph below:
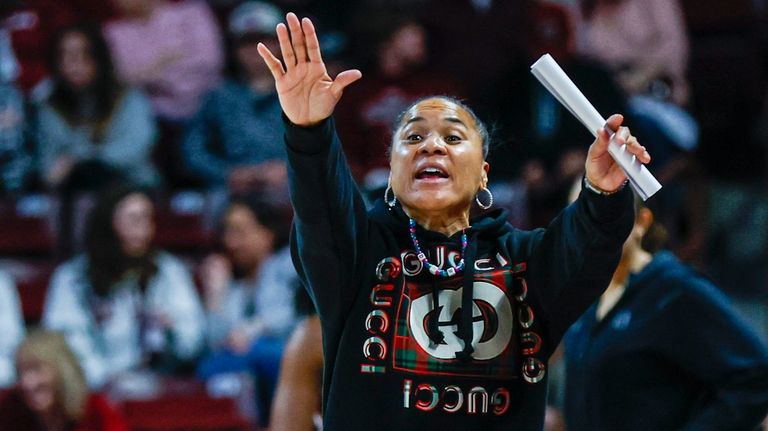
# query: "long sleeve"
219,323
195,146
707,339
275,294
131,136
330,224
11,328
53,138
576,256
175,296
65,310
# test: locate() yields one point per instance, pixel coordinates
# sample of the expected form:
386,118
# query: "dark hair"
105,89
374,27
107,263
479,125
269,214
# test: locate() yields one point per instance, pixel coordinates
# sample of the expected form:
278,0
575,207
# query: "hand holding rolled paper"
627,156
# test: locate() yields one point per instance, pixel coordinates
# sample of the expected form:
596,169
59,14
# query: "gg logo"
492,322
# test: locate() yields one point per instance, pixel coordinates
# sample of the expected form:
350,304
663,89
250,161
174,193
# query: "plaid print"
409,356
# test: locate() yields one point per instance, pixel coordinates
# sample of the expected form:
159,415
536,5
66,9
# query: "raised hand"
307,94
602,171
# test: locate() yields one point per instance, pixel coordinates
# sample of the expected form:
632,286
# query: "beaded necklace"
434,269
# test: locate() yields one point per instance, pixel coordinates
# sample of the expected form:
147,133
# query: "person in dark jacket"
662,349
430,320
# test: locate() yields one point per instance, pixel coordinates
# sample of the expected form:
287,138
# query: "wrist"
589,185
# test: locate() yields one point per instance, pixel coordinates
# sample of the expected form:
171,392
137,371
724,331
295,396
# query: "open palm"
307,93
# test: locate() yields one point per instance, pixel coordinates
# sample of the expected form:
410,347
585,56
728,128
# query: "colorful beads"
433,269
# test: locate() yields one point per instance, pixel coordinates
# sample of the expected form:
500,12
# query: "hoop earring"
390,203
490,198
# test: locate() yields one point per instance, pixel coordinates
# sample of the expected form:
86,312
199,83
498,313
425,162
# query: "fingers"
272,62
343,79
313,45
285,46
614,121
634,147
297,37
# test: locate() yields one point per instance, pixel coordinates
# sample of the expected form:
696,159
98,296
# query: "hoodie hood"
488,226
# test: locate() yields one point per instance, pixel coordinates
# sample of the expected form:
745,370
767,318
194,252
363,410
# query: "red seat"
184,413
26,227
181,224
32,283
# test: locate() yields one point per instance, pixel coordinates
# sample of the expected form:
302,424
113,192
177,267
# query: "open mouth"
431,173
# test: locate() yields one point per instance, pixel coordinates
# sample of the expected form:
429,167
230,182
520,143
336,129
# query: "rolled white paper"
554,79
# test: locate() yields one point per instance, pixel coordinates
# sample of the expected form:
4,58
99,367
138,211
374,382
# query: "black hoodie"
671,355
394,361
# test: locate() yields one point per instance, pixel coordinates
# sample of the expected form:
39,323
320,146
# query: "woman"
169,49
642,41
431,321
124,304
249,293
235,138
52,394
91,128
662,349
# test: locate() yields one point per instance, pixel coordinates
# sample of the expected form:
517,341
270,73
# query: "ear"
644,219
484,175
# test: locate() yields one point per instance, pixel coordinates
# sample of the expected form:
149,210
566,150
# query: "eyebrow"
454,120
414,119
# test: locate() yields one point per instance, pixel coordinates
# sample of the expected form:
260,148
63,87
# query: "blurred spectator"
643,41
298,396
540,141
32,25
394,77
249,296
662,349
476,41
124,304
15,159
237,137
172,50
91,129
52,394
11,326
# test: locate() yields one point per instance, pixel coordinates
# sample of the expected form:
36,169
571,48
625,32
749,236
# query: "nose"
433,144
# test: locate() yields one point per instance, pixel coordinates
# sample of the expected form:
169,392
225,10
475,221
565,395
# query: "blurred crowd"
145,138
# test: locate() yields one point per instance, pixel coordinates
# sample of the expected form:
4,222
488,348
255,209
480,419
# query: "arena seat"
27,226
177,404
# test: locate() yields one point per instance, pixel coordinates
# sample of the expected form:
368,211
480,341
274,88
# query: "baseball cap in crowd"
254,18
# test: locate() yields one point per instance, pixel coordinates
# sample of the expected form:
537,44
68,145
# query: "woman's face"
248,55
247,241
37,381
437,159
77,66
133,221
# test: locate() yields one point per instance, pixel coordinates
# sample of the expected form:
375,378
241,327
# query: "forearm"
330,218
575,259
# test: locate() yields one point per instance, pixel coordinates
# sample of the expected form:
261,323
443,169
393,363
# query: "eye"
453,138
413,138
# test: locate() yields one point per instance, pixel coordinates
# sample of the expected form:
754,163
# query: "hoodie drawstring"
435,335
466,330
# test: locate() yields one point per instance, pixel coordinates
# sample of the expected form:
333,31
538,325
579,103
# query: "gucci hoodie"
406,350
